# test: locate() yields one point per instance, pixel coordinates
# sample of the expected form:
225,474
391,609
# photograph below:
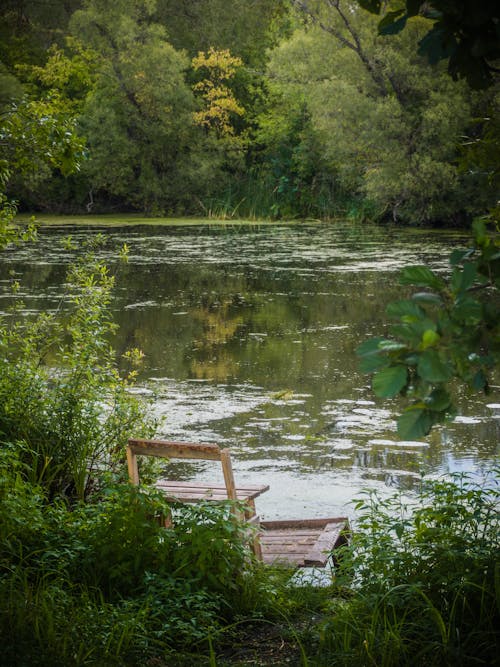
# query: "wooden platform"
304,542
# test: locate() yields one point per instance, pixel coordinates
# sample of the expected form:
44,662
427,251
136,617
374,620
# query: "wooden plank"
324,545
193,492
187,484
279,539
177,450
133,470
208,494
302,542
288,534
285,548
211,494
301,523
227,470
290,559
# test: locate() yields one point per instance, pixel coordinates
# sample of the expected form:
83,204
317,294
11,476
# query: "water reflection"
249,335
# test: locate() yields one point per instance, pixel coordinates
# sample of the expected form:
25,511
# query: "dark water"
250,335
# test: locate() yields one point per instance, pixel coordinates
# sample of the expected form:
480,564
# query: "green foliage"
36,138
388,125
9,231
62,398
106,582
449,331
138,118
465,33
342,122
247,30
218,101
425,580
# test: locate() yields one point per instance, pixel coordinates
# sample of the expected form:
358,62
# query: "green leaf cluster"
111,564
389,126
338,120
465,33
449,331
426,579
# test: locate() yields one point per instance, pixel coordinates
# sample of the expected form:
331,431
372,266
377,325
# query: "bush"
426,580
62,399
107,583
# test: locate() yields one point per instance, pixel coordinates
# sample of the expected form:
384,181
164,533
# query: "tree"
138,119
219,102
465,33
246,29
36,137
389,124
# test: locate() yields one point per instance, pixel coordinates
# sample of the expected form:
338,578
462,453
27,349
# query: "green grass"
131,219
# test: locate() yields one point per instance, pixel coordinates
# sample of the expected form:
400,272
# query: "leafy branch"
448,330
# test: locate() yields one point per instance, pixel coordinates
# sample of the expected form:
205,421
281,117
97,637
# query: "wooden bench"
191,492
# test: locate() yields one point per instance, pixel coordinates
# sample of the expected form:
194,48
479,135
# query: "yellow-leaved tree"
220,107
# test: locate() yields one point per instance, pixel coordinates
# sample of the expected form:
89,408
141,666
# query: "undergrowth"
420,585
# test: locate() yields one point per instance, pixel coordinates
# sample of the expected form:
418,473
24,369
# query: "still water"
250,333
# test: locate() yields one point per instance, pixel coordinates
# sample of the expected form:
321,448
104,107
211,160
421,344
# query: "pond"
250,333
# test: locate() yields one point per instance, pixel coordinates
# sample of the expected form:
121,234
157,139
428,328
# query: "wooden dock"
295,543
304,542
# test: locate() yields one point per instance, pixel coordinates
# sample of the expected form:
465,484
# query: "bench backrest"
180,450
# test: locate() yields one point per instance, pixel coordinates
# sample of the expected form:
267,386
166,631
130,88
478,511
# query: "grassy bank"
103,583
131,219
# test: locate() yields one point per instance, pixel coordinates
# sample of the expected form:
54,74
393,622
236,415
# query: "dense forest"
261,109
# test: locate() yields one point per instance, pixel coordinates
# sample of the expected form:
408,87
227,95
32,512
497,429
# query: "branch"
354,45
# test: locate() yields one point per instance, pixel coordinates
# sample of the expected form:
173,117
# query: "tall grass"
420,585
260,194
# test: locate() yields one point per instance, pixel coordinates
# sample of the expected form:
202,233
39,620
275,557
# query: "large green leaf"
468,310
458,256
431,368
370,346
434,45
393,22
403,308
427,298
421,276
388,382
415,423
373,362
438,400
429,339
463,277
413,331
371,358
391,346
413,7
372,6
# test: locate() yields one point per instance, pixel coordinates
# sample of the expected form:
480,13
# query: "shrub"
106,582
426,580
62,399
